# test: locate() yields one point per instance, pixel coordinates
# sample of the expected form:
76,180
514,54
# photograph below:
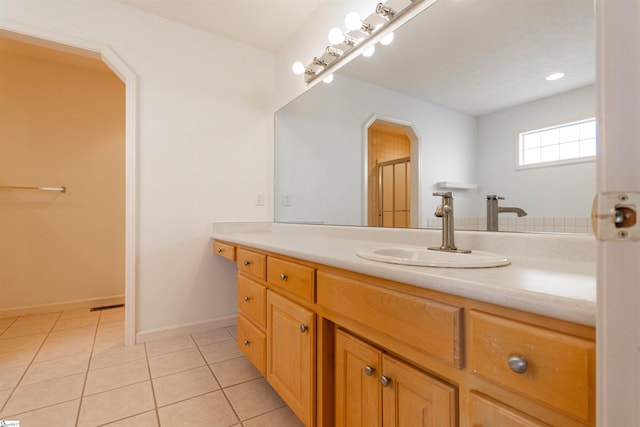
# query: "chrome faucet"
493,210
445,211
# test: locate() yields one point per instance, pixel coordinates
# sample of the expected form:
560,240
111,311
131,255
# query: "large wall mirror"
442,109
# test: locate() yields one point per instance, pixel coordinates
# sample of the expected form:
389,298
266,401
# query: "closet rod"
14,187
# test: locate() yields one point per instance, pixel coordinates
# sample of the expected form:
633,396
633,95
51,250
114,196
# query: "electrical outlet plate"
614,216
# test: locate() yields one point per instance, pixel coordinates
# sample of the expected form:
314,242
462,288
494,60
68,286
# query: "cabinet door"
291,354
358,393
411,398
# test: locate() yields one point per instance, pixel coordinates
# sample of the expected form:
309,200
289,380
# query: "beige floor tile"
58,349
112,315
211,336
116,376
78,312
282,417
235,371
9,377
209,410
30,342
16,330
117,355
73,335
148,419
60,415
111,328
106,343
253,398
178,361
184,385
169,345
77,322
221,350
38,395
16,359
5,322
233,330
116,404
56,368
44,319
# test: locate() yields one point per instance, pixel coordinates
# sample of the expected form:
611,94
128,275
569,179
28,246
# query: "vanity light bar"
373,28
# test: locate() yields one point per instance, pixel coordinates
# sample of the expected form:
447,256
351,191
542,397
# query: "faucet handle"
494,197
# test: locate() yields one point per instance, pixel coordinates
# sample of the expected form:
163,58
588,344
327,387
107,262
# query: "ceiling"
265,24
474,56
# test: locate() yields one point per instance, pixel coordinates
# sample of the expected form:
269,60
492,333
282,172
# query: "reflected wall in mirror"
464,79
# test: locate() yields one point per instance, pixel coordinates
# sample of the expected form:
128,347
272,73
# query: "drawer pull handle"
303,328
219,250
385,381
518,364
246,298
246,263
246,342
283,277
369,370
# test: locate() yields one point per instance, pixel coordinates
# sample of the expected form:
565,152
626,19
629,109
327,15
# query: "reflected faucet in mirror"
445,211
493,210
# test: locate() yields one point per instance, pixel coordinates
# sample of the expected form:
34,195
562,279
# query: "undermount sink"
430,258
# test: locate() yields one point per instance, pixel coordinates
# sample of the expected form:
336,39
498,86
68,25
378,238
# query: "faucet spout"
445,211
518,211
493,210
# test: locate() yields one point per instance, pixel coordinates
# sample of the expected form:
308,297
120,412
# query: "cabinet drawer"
295,278
252,263
486,412
252,300
253,343
427,325
224,250
559,369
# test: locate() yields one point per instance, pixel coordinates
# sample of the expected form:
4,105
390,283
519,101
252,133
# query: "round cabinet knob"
369,370
518,364
246,342
283,276
246,298
246,263
303,328
219,250
385,381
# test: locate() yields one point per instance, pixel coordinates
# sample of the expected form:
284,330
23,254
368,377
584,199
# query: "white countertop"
551,286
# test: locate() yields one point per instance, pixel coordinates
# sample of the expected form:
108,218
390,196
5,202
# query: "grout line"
86,374
153,389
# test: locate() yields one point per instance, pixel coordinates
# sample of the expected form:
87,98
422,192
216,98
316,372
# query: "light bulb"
386,40
336,36
369,51
297,68
328,79
352,21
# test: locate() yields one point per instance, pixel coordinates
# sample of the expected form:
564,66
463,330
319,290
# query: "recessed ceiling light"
555,76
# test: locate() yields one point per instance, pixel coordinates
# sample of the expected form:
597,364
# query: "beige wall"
61,124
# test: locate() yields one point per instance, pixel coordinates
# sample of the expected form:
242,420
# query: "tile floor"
71,369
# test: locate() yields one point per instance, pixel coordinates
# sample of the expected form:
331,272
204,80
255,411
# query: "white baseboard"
172,331
60,306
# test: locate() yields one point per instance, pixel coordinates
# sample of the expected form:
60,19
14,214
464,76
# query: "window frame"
553,163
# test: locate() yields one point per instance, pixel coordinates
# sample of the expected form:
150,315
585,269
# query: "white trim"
61,306
125,73
172,331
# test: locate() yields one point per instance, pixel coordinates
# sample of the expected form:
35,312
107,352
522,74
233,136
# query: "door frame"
103,52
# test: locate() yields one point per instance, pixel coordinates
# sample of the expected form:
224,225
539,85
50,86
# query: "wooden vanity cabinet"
324,337
376,389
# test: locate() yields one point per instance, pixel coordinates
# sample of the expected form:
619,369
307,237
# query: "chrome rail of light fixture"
373,28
